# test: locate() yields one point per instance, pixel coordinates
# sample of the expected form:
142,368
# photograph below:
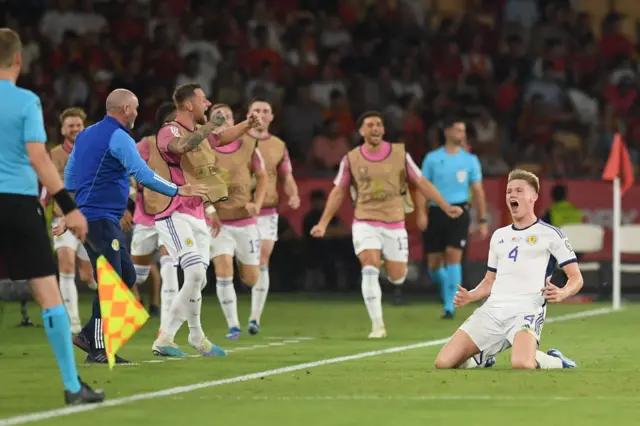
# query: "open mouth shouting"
514,205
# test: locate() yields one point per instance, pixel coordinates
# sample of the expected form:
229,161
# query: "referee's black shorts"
25,247
444,231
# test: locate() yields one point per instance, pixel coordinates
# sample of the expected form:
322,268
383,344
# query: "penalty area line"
60,412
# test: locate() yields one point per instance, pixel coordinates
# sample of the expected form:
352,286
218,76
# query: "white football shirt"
524,258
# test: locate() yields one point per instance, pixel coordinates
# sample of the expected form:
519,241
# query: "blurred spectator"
328,148
340,112
207,50
320,91
194,72
59,19
302,121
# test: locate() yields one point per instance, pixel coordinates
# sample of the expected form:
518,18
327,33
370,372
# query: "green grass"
387,389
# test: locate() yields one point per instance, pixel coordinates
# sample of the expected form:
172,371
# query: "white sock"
69,293
398,282
259,294
194,276
169,288
142,273
372,295
187,304
547,362
228,301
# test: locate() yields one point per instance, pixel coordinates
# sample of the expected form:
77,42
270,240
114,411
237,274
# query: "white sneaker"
378,333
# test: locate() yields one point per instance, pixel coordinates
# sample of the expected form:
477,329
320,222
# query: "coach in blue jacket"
98,170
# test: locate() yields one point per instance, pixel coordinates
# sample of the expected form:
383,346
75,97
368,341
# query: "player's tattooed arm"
192,140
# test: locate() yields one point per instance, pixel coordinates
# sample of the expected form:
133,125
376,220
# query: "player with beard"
67,246
379,172
183,153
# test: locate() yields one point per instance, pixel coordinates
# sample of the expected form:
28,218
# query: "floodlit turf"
384,389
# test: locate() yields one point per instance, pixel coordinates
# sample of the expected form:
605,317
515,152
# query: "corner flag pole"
617,219
618,169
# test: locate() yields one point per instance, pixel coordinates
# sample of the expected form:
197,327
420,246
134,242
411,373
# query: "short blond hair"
530,178
73,112
10,46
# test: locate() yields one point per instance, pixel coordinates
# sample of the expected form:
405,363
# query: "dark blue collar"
112,120
525,228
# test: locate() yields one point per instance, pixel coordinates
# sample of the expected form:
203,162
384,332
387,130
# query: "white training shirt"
524,258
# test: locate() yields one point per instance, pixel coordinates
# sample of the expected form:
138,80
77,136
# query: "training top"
98,170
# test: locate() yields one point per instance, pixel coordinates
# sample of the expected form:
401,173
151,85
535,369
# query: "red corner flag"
619,165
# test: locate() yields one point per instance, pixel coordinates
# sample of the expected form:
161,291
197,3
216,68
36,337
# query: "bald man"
98,171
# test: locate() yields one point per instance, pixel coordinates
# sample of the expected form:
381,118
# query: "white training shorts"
144,240
243,242
394,243
268,227
68,240
493,326
185,237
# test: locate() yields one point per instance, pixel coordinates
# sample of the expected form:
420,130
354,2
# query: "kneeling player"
522,258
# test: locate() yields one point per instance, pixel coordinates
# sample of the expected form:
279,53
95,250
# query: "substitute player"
144,240
378,171
98,170
238,163
67,246
277,164
183,154
24,246
522,257
452,170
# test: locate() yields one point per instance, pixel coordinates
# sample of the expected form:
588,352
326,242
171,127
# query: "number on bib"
513,254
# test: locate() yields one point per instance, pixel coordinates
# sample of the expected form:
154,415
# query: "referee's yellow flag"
122,314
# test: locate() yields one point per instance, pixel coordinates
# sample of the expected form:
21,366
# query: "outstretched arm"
190,141
124,149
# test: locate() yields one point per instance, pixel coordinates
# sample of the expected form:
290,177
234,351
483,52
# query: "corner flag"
122,314
619,165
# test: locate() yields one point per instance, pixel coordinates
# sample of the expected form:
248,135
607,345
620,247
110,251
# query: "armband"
210,210
65,202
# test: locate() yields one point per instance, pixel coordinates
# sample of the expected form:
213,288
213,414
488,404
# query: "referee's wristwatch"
483,220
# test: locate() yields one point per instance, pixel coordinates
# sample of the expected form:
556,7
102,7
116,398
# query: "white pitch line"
60,412
239,348
412,398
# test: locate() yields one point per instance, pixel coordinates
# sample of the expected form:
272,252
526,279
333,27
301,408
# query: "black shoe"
100,357
81,342
448,315
86,395
399,299
154,311
26,322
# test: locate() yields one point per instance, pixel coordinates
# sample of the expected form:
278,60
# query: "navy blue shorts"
108,239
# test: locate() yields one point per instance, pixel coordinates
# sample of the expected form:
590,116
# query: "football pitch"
312,364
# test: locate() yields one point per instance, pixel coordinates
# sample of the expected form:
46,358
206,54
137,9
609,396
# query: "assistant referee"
24,245
452,170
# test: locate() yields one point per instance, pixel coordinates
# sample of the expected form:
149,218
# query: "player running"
522,257
180,155
277,163
67,246
378,171
237,163
144,241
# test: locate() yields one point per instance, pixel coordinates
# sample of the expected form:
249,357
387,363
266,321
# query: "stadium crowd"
541,83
